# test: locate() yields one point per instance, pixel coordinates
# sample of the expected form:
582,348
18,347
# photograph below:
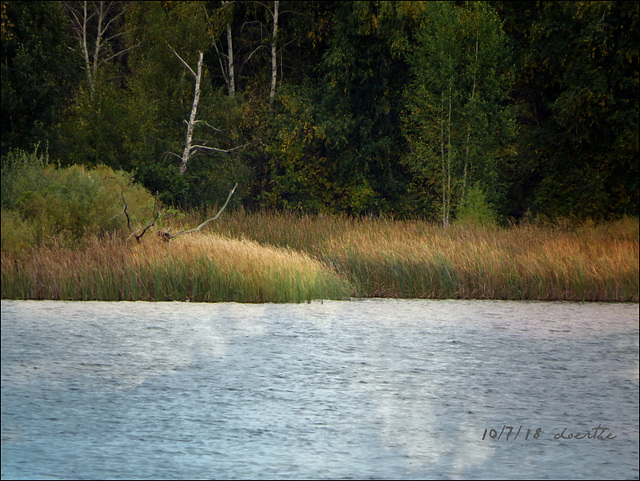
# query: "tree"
577,91
189,148
39,73
356,103
222,19
164,85
95,26
94,127
457,119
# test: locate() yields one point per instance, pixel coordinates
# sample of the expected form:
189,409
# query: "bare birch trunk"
449,154
444,176
80,21
85,47
186,154
189,148
232,76
229,75
96,50
274,59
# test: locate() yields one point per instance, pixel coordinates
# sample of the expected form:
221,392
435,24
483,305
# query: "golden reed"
291,258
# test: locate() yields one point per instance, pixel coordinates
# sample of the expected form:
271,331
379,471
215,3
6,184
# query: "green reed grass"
196,268
273,257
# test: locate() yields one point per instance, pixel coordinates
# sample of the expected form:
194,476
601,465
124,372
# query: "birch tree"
191,149
459,89
223,19
94,26
274,52
268,39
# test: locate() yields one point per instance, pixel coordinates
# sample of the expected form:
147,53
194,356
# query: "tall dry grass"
273,257
473,263
203,268
382,257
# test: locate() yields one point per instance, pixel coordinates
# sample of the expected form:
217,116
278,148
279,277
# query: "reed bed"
469,263
273,257
199,268
383,257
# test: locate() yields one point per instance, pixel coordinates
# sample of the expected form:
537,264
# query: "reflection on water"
362,389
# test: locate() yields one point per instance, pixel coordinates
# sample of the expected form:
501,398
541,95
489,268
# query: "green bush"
475,209
47,201
17,234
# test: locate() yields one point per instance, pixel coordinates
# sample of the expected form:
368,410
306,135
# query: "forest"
436,110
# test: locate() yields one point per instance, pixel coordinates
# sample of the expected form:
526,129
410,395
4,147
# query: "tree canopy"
363,107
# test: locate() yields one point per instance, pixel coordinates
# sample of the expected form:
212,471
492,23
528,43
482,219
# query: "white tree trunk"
188,148
232,77
229,73
81,18
274,52
444,170
467,158
449,155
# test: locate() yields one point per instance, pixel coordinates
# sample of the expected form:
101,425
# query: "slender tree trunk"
96,50
467,160
449,155
229,75
232,76
85,47
189,148
274,52
186,154
80,19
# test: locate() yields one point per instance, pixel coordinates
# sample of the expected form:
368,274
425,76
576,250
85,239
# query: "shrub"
17,234
69,202
475,209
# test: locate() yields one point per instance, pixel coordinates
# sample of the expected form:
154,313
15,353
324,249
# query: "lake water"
404,389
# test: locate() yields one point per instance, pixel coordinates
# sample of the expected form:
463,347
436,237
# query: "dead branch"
125,210
215,149
183,62
144,230
167,236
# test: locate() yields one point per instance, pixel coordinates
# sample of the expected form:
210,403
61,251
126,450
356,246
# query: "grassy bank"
287,258
199,268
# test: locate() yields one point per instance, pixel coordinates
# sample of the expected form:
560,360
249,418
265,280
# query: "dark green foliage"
39,72
363,93
458,121
577,93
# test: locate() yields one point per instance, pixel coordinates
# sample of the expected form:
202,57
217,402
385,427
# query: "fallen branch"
167,236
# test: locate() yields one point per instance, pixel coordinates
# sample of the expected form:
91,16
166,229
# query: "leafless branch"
215,149
125,210
168,237
121,52
180,58
144,230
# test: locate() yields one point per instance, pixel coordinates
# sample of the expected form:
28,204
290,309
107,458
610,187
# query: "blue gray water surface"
401,389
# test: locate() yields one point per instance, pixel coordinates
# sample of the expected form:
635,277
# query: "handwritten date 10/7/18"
509,431
599,433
